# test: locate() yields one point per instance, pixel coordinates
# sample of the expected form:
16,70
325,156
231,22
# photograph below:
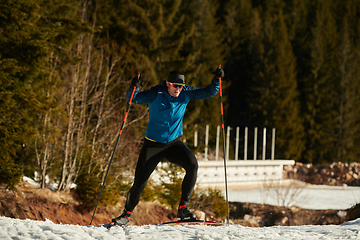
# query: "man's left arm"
209,91
202,93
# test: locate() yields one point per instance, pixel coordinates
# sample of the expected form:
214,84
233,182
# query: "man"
167,104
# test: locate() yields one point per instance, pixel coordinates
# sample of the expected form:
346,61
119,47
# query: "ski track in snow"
29,229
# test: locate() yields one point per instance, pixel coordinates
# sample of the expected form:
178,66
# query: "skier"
167,103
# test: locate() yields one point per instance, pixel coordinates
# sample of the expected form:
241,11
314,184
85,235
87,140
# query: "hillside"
30,202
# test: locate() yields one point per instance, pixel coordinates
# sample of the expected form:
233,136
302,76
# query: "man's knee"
194,165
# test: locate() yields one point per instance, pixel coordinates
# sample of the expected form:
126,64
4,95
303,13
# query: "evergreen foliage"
210,200
171,180
10,173
151,192
30,32
89,186
207,47
275,101
348,132
238,25
321,122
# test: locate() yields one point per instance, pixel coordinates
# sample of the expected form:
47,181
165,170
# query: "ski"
108,225
192,222
172,223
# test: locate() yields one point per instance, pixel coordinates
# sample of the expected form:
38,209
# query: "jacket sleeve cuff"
215,81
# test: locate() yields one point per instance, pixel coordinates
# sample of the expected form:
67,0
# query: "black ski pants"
150,155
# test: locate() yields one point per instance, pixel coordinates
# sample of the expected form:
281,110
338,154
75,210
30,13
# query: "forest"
65,66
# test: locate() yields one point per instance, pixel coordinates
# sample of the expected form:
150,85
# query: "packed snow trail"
29,229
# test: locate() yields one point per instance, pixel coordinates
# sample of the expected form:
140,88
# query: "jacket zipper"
171,110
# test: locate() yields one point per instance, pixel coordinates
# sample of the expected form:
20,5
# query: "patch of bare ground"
31,202
260,215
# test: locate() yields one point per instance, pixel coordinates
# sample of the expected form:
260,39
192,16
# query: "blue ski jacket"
166,113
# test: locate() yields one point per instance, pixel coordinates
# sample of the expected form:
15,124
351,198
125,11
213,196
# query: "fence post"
196,136
245,143
273,144
227,142
237,144
255,142
206,142
264,144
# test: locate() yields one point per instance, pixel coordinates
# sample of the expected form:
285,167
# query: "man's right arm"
147,96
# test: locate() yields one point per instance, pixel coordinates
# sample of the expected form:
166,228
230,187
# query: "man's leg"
142,173
150,155
182,156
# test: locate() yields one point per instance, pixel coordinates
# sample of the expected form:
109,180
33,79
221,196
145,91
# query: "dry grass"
31,202
354,212
27,190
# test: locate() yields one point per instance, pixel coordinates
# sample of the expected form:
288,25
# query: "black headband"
176,78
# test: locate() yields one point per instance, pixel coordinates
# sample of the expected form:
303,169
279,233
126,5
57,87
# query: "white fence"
237,143
211,171
212,174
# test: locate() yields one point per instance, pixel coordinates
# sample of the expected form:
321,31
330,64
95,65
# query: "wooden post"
273,144
245,143
237,144
196,136
206,142
227,142
255,143
264,144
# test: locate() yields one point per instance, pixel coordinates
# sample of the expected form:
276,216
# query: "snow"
31,181
28,229
51,185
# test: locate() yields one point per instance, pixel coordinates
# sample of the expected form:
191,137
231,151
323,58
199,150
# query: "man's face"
174,89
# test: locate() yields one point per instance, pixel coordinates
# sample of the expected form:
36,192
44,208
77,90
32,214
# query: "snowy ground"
317,197
28,229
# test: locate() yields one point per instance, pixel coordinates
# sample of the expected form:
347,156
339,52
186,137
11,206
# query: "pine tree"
150,30
321,89
238,15
276,102
348,133
27,40
207,48
35,35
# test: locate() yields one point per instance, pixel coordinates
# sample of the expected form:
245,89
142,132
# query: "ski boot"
184,213
123,219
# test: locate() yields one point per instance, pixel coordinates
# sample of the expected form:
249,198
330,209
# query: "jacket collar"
163,85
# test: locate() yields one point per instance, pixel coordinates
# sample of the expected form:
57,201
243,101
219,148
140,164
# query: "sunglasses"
177,85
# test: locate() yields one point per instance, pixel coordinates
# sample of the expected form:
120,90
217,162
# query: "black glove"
136,81
219,73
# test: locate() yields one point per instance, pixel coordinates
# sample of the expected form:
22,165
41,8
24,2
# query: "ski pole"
112,155
223,133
